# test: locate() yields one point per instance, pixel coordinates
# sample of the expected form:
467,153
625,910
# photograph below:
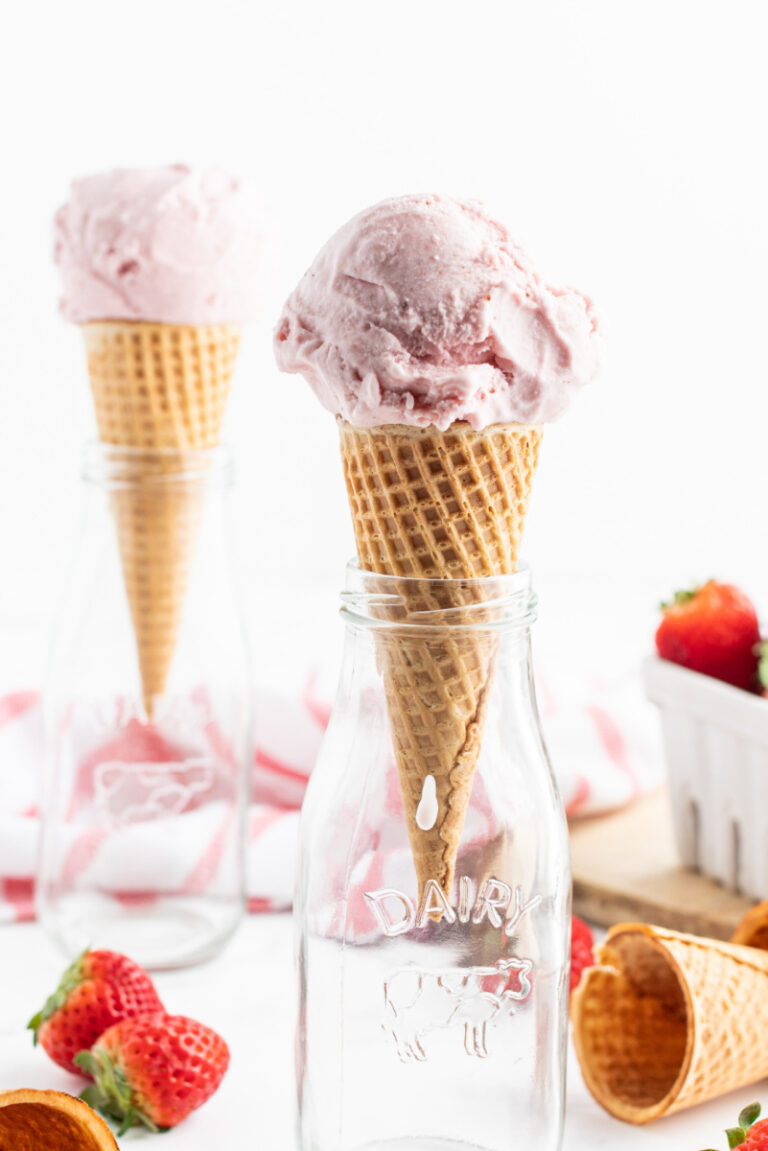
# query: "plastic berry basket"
716,746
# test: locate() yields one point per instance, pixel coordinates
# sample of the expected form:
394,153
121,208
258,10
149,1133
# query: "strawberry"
712,629
153,1070
749,1135
756,1137
99,989
582,943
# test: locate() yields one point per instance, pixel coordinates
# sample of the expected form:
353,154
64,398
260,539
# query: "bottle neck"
436,609
117,467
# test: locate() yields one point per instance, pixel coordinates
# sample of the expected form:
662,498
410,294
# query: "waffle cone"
431,505
31,1120
667,1021
752,930
158,388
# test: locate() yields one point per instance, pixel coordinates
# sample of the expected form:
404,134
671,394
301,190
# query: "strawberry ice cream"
169,245
423,311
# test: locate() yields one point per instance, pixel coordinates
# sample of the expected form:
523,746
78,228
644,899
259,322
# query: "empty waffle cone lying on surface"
752,930
431,505
50,1121
666,1021
158,388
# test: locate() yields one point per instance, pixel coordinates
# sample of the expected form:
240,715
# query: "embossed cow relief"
419,1000
470,999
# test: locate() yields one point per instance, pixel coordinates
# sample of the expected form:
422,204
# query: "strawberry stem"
110,1093
683,596
762,667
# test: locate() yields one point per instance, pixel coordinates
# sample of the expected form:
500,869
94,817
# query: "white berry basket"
716,746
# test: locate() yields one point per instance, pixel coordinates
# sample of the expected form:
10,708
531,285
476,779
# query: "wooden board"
626,869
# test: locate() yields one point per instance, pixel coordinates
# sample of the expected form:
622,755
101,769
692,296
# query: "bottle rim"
114,466
395,602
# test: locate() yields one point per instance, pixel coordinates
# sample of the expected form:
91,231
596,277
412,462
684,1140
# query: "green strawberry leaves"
749,1115
736,1135
679,597
71,979
110,1093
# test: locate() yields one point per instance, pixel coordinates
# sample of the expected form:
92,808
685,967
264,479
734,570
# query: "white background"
625,145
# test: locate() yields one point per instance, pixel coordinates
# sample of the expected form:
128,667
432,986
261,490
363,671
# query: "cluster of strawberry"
713,629
105,1021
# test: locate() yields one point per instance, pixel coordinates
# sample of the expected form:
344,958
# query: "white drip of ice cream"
426,812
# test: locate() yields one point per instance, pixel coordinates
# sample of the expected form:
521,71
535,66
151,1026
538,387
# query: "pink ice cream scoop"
422,310
170,245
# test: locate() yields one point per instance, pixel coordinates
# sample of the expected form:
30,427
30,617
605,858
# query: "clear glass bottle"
433,1011
148,717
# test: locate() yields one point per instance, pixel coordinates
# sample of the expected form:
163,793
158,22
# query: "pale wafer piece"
158,388
50,1121
447,506
666,1021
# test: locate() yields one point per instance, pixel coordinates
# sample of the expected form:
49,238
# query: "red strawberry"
757,1137
582,942
154,1070
749,1135
712,629
99,989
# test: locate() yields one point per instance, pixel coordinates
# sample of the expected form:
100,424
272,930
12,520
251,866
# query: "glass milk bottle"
148,712
433,900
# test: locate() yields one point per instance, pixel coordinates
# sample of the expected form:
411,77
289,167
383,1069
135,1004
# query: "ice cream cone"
159,390
33,1120
432,505
666,1021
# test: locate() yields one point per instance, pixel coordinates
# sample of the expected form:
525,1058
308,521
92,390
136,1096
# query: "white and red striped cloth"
602,744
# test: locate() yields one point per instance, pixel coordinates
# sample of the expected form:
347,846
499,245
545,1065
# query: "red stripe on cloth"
352,917
206,867
258,903
134,899
219,743
614,744
20,894
359,915
261,821
82,852
580,796
262,759
393,798
15,704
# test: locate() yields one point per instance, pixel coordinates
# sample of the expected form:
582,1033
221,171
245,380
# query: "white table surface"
247,995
